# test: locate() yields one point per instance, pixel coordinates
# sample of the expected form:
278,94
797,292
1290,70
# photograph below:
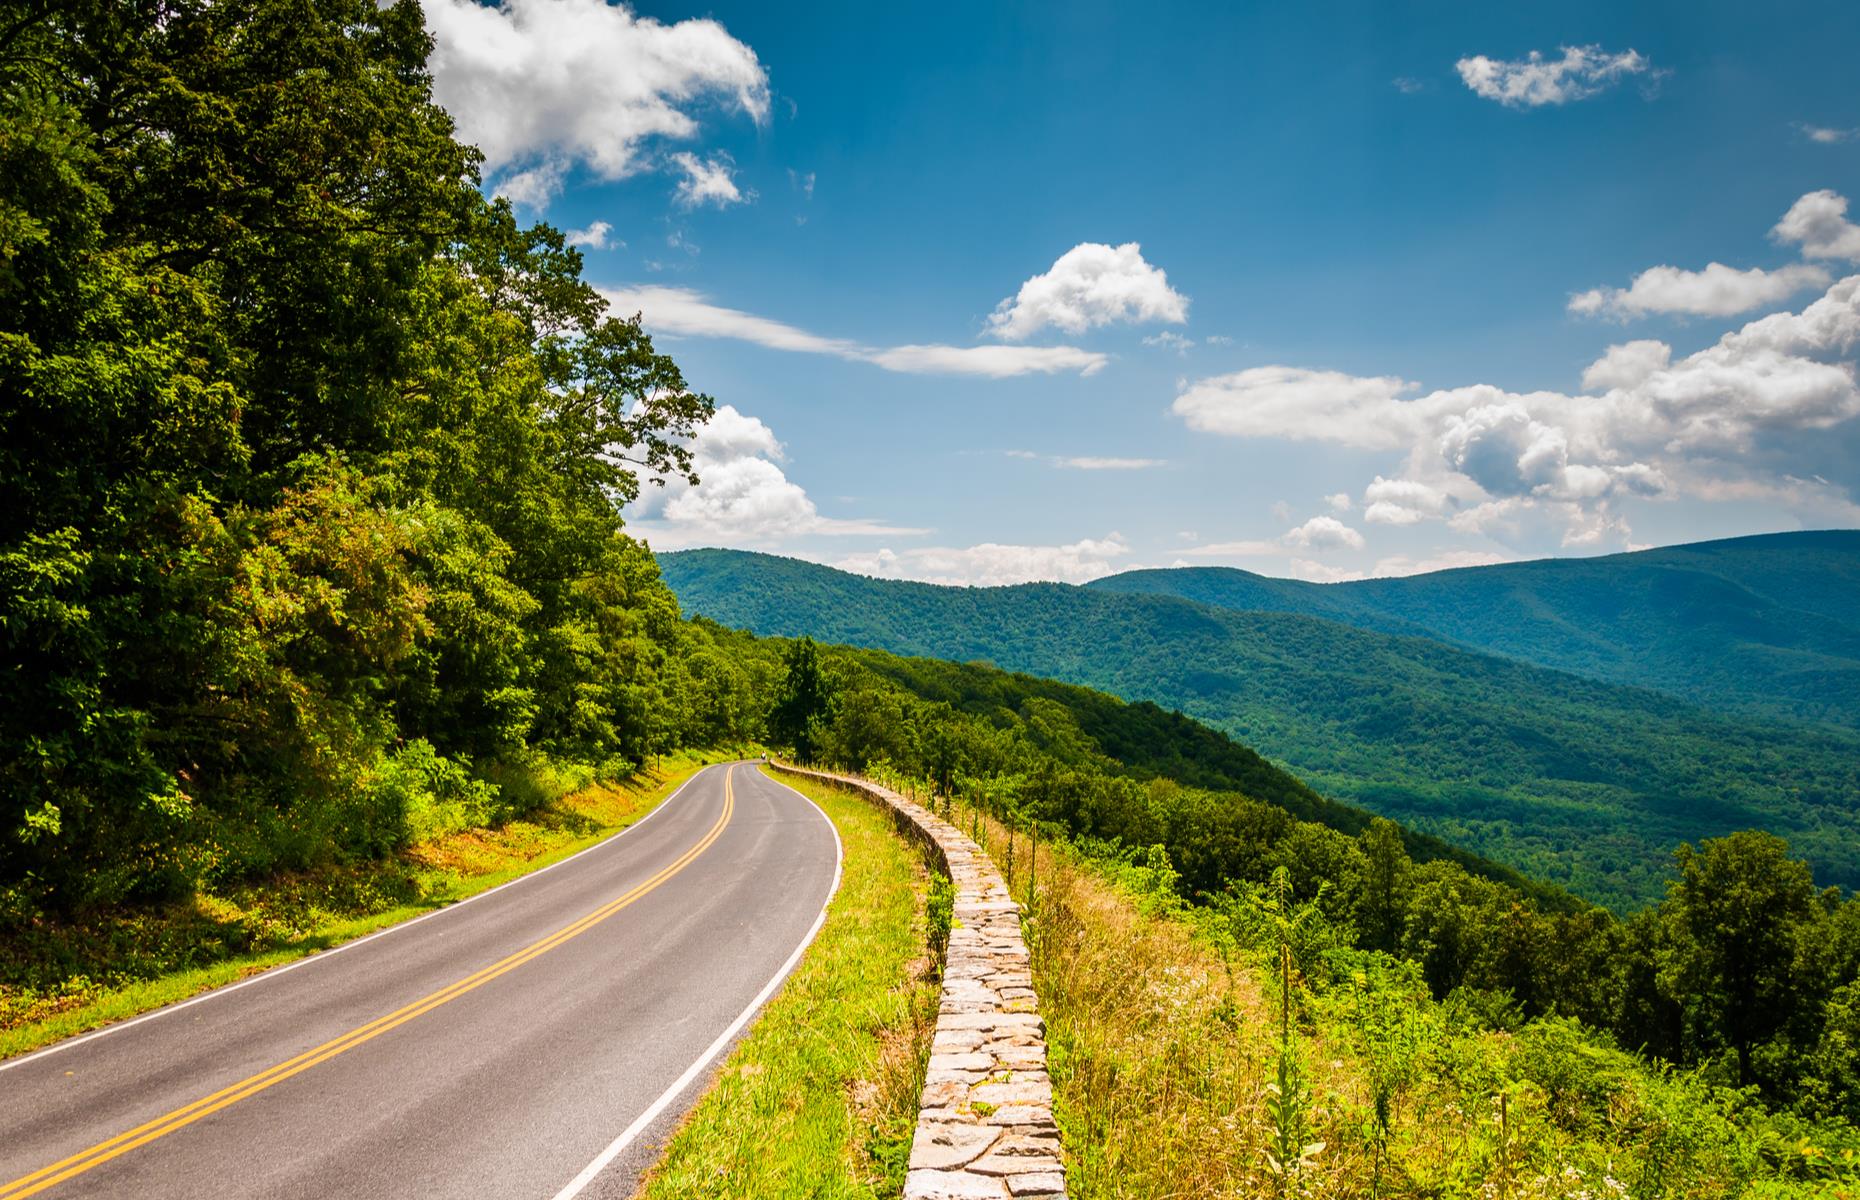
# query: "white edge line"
323,955
627,1136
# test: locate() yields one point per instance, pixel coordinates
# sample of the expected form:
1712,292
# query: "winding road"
538,1040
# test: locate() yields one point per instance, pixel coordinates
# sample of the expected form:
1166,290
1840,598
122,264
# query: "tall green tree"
1740,916
803,703
1383,906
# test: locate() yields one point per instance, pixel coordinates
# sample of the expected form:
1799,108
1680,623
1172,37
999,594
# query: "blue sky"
996,292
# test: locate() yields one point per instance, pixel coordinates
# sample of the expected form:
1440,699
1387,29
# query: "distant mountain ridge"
1767,624
1580,782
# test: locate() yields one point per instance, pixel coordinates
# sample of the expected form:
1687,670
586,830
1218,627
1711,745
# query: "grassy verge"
820,1098
60,980
1175,1075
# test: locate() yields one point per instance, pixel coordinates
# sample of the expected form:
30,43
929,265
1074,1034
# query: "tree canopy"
315,455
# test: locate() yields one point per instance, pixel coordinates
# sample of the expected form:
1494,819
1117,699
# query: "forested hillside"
1766,625
1586,784
1744,970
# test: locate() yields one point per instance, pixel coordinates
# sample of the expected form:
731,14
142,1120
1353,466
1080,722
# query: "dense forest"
313,464
1585,784
1766,625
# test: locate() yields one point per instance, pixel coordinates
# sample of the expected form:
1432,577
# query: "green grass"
58,980
820,1099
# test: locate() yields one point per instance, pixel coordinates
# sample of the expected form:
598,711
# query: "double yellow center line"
142,1135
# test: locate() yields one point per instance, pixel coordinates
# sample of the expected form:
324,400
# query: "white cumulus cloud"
597,236
1484,458
1534,80
1301,404
1324,533
1403,501
1627,365
1818,223
1090,285
1717,291
743,496
541,86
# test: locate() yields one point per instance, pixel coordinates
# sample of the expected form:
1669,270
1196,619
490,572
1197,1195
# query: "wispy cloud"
1534,81
710,181
994,563
1827,135
1087,462
1168,339
685,312
992,362
1090,463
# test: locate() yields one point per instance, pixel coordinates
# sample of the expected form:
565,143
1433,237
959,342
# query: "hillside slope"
1581,783
1767,625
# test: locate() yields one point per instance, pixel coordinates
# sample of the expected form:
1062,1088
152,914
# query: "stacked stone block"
985,1121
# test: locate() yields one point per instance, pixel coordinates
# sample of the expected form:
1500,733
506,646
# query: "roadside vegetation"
1745,978
62,978
1246,1048
820,1097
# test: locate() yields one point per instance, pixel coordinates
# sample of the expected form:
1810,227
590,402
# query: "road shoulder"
821,1095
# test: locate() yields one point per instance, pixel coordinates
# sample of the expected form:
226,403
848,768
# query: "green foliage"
1744,926
311,544
425,796
804,704
1393,1025
1282,929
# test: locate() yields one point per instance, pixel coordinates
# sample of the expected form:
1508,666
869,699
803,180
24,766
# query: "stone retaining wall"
985,1120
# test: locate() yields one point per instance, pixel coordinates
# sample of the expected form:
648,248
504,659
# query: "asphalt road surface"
539,1040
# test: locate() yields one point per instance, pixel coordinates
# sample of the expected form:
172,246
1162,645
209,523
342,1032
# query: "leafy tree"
1385,894
944,754
803,703
1739,916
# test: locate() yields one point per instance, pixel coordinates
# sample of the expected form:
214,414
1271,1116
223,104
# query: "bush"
417,795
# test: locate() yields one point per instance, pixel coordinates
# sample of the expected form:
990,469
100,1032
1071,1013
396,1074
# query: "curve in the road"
710,916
